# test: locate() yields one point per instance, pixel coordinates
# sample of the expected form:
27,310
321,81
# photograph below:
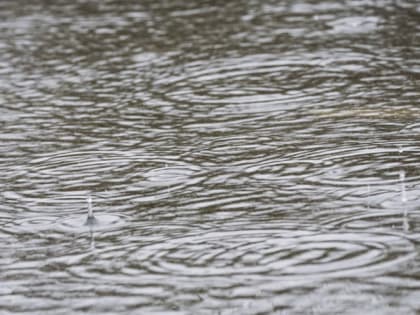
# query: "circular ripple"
74,223
169,175
103,222
355,166
404,219
274,252
29,225
250,84
83,164
96,171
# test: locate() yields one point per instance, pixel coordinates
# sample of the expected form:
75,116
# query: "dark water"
243,157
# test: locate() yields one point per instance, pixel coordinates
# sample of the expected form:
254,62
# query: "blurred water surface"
244,157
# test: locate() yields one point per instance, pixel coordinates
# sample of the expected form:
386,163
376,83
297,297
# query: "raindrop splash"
90,220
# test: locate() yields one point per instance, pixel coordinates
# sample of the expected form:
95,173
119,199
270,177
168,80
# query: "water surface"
249,157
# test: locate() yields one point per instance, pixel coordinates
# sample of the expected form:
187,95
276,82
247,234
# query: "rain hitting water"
242,157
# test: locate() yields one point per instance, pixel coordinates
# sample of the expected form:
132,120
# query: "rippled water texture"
243,157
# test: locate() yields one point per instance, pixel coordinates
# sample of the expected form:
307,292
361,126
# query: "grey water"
243,157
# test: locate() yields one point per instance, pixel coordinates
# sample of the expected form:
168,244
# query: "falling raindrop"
403,192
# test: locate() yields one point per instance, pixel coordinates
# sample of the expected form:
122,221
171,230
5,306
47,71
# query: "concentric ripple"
68,223
289,253
351,166
243,157
273,83
103,222
74,174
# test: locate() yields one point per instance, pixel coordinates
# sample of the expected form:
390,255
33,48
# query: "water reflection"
244,157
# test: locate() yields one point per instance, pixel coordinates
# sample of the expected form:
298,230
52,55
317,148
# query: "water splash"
90,220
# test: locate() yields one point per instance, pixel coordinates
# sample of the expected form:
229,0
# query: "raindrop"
403,192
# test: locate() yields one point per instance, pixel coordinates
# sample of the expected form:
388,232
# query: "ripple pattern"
243,157
272,252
